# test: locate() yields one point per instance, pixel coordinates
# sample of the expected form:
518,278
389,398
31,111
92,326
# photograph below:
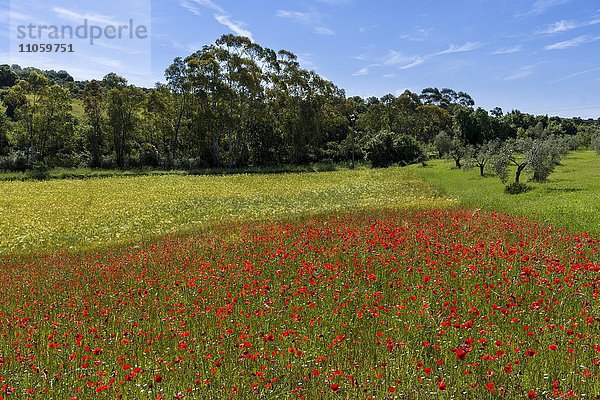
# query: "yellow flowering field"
72,215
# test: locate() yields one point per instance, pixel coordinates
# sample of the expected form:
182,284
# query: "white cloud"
97,19
564,26
312,19
575,42
107,62
221,16
7,15
235,26
541,6
308,18
211,5
573,75
418,36
521,73
321,30
361,72
468,46
364,29
190,7
401,61
335,2
388,76
560,26
508,50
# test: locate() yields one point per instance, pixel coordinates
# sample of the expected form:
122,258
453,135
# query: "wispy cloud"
468,46
190,7
221,16
565,26
388,76
321,30
73,16
211,5
575,42
508,50
235,26
107,62
364,29
308,18
312,19
335,2
402,61
418,36
7,15
575,74
362,57
560,26
541,6
521,73
361,72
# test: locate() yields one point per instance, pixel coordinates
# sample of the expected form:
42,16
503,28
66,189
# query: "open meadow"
349,284
570,198
95,213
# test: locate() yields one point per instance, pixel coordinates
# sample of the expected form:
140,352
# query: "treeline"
236,104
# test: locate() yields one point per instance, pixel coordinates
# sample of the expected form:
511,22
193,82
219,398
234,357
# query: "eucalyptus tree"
55,133
123,104
25,97
94,107
178,82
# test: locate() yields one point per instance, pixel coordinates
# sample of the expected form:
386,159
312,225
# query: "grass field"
420,304
364,284
570,198
40,216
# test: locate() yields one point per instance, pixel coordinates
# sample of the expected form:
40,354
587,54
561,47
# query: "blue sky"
539,56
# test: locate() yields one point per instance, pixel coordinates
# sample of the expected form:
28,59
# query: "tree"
93,104
458,151
387,148
538,156
595,142
56,138
443,143
123,104
480,156
4,132
8,78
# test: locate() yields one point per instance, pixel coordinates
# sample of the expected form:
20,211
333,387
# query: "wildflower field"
345,285
387,304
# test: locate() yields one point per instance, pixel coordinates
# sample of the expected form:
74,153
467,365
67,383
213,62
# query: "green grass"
570,198
86,173
53,215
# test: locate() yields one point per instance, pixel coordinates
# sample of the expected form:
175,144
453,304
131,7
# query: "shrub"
387,148
516,188
595,142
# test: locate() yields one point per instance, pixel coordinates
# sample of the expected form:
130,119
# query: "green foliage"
443,143
568,199
595,142
387,148
516,188
79,214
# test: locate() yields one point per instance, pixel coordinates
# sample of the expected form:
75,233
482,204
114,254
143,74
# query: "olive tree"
596,142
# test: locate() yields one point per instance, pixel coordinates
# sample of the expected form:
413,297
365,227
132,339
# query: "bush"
15,162
595,142
516,188
387,148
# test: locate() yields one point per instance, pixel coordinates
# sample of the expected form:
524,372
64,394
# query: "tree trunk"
458,164
481,167
520,169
